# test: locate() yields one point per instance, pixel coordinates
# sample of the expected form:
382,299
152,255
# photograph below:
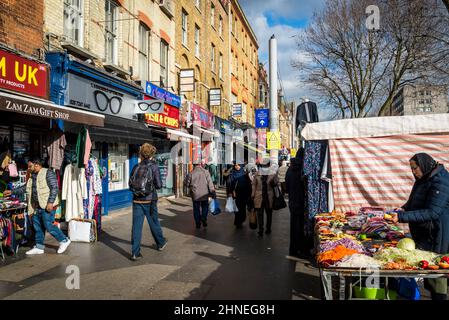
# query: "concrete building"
420,99
244,63
133,39
202,44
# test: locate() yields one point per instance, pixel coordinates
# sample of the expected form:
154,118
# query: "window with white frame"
144,52
212,58
212,15
164,64
220,26
184,27
198,4
220,66
231,62
197,41
73,21
232,22
111,13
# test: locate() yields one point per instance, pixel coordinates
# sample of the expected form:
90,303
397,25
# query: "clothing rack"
7,214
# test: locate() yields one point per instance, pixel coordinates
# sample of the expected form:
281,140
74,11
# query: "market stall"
367,244
365,164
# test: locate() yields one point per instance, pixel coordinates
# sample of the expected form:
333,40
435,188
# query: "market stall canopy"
377,127
47,109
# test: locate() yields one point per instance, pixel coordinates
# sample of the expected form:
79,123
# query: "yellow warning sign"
273,140
292,153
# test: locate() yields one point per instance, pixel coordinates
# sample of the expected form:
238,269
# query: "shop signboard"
262,137
187,80
238,135
33,107
215,97
23,75
162,94
203,116
168,119
237,110
89,95
149,106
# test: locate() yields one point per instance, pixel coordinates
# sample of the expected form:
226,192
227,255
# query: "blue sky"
285,19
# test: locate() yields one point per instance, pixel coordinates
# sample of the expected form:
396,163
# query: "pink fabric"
88,149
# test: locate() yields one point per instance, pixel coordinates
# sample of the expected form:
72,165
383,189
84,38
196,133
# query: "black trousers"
260,217
299,243
240,216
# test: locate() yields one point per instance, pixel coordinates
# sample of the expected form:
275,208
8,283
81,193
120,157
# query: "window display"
166,170
118,166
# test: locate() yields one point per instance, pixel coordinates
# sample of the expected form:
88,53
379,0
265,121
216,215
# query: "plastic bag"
231,206
214,207
12,168
409,289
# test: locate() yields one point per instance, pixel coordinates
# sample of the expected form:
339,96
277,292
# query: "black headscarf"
426,163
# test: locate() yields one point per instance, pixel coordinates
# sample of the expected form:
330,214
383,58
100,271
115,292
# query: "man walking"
42,195
145,179
201,187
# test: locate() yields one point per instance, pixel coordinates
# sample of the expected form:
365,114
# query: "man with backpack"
200,184
145,179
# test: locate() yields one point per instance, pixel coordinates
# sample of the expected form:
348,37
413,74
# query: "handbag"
83,230
253,219
278,199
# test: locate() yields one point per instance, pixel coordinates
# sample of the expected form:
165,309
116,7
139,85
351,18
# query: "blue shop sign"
161,94
223,125
262,118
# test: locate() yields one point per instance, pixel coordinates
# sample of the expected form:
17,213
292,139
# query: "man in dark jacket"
146,206
427,212
299,244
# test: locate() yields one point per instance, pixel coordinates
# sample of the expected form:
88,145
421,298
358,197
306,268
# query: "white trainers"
34,251
63,246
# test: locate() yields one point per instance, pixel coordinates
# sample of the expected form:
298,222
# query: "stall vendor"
427,212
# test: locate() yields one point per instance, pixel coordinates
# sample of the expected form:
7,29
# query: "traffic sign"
262,118
273,140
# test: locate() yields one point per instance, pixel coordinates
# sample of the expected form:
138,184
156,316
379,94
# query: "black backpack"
141,180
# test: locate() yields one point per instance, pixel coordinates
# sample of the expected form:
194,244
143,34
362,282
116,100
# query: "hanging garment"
97,178
314,155
81,147
87,149
56,147
74,190
97,212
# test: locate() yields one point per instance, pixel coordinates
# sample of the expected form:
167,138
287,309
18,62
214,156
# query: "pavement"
213,263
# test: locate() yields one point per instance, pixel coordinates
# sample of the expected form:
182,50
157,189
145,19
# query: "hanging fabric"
83,147
55,149
74,190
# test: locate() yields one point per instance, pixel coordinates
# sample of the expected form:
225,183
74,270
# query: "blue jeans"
204,207
43,221
140,211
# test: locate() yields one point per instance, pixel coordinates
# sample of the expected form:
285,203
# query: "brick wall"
21,25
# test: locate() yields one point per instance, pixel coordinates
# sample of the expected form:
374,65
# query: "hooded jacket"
294,184
427,211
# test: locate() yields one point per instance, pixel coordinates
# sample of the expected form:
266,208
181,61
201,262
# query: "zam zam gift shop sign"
23,75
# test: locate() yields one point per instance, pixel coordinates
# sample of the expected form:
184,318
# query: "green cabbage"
406,244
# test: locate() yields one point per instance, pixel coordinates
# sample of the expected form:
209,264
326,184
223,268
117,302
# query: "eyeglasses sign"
149,106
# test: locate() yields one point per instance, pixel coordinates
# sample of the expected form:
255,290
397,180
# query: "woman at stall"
427,212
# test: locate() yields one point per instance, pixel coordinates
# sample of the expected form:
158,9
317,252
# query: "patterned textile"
314,155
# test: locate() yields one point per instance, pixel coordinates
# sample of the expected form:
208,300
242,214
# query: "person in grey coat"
200,184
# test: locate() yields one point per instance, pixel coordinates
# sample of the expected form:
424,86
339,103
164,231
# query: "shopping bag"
409,289
253,219
214,207
278,199
231,207
82,230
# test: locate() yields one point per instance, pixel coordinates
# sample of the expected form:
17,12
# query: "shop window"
111,13
118,166
73,21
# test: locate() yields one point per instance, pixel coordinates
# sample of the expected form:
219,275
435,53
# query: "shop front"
159,123
223,145
27,117
79,85
203,127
